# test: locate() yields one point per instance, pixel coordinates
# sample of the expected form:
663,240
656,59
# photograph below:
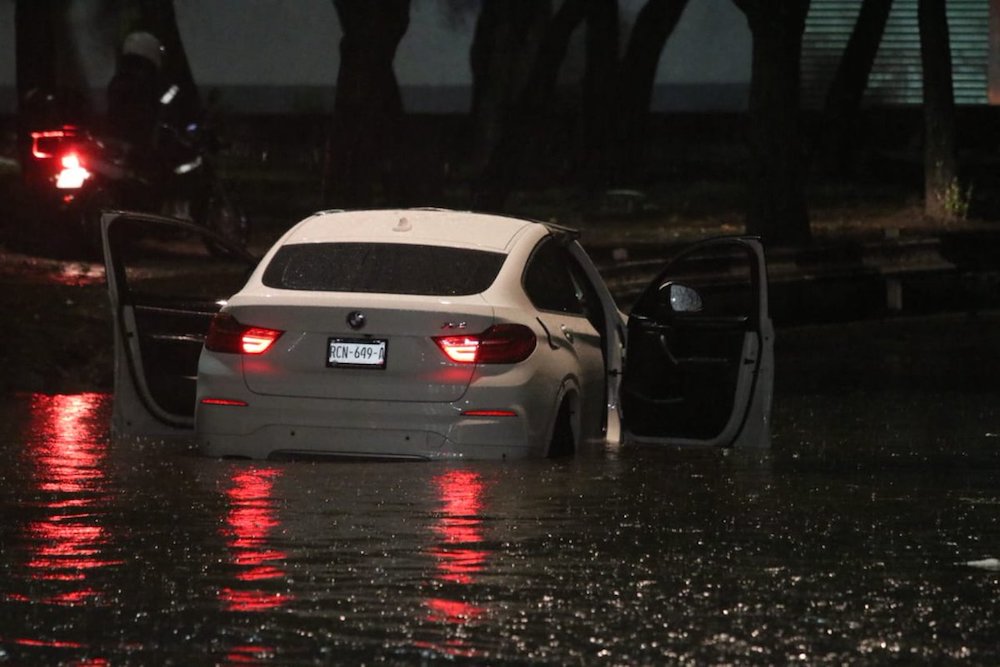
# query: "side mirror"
680,298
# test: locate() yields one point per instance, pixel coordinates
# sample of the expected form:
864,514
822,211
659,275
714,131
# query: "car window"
548,282
386,268
587,294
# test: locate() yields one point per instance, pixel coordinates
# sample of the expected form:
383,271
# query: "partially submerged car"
430,334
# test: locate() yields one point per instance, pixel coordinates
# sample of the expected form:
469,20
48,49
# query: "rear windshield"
386,268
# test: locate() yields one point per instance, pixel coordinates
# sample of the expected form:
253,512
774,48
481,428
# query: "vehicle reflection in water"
458,554
67,448
249,524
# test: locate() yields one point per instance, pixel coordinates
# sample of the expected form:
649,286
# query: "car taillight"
227,334
500,344
72,174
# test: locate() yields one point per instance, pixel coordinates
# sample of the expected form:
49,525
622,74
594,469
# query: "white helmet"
144,45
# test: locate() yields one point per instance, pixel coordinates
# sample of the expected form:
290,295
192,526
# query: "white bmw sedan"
429,334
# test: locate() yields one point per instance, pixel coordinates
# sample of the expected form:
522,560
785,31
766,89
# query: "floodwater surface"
868,533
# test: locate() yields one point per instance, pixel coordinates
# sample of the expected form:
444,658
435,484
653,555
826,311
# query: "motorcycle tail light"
73,173
45,143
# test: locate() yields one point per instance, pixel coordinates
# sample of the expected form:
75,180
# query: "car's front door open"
699,360
164,287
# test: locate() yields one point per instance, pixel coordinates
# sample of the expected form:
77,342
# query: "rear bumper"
275,427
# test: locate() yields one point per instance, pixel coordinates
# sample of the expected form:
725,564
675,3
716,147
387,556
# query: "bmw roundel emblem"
356,319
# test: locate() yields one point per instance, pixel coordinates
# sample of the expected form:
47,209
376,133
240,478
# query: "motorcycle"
77,174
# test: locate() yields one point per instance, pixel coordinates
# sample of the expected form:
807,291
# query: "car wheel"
563,441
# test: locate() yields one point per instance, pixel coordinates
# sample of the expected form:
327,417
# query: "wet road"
851,541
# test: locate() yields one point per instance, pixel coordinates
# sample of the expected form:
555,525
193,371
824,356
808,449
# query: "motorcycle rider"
136,117
134,92
166,158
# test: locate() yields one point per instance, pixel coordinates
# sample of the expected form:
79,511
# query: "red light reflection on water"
453,611
48,643
460,532
250,654
459,526
67,445
250,520
458,555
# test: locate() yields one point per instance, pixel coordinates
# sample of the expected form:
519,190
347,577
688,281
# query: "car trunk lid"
415,369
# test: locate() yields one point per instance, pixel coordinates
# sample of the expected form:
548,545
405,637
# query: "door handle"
567,332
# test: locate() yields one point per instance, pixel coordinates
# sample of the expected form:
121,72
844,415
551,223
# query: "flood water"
863,536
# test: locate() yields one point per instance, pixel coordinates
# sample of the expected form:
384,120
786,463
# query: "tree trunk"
368,109
848,87
943,196
653,25
505,43
599,83
498,177
777,210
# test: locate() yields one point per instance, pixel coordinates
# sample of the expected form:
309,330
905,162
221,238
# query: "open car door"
699,359
166,279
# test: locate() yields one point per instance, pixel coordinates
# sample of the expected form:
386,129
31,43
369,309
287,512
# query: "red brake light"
500,344
73,173
462,349
227,334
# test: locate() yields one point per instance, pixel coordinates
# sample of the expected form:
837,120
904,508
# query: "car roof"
419,226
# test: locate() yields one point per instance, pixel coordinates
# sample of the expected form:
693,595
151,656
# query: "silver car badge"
356,319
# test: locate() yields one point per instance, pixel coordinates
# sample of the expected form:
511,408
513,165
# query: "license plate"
356,353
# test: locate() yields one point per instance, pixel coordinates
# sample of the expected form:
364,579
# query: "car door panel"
167,346
702,376
610,322
165,287
578,345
